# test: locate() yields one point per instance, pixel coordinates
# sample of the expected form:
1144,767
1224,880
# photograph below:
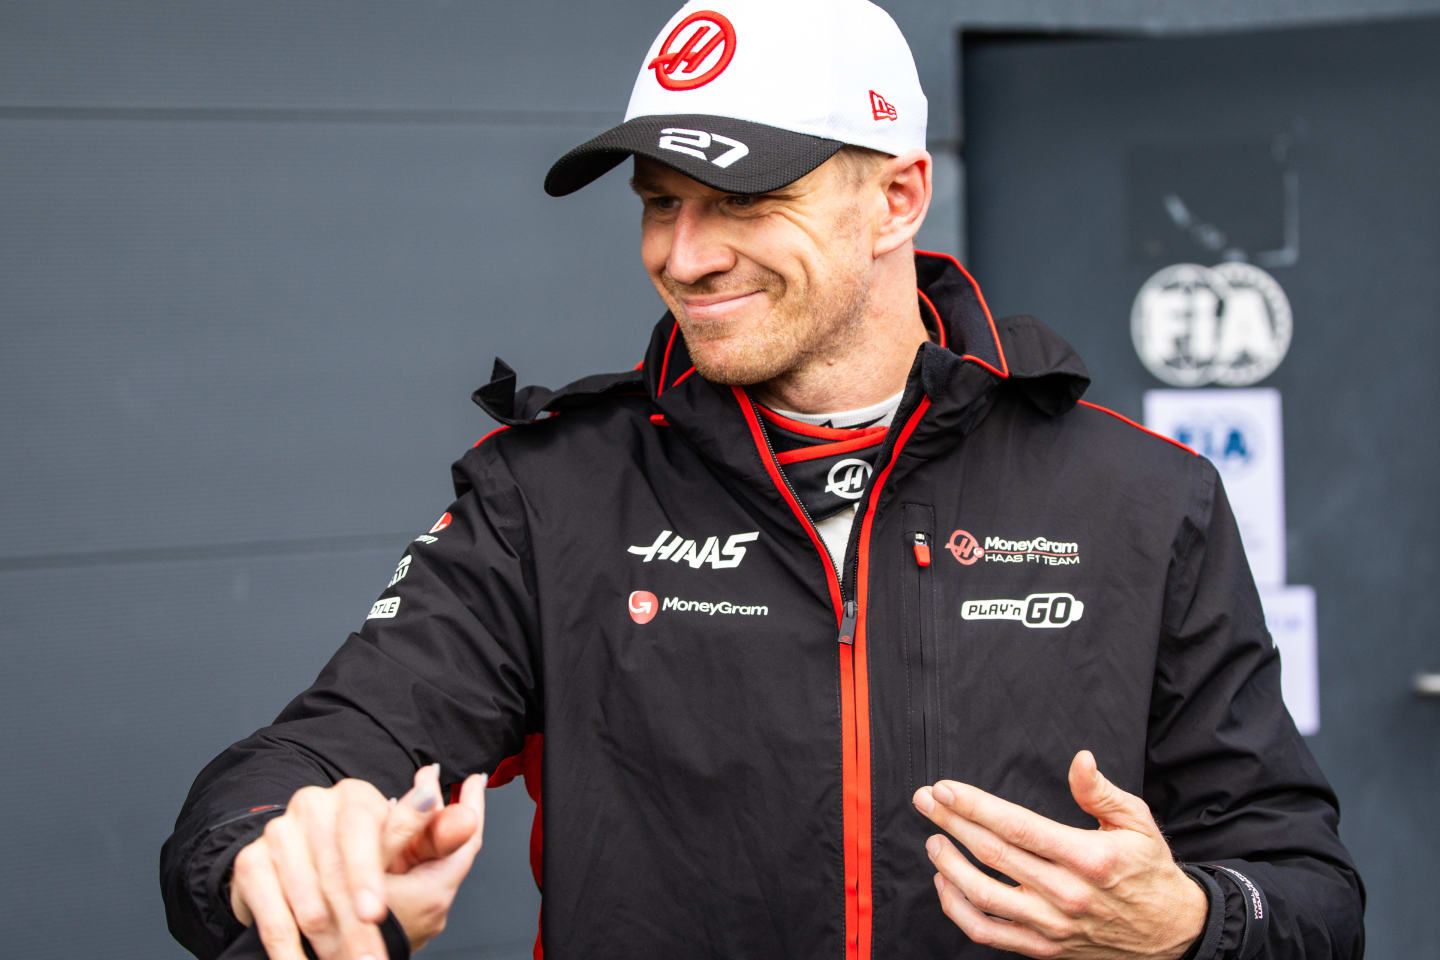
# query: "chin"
735,368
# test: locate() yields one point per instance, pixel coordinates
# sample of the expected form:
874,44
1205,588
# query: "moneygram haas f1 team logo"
697,51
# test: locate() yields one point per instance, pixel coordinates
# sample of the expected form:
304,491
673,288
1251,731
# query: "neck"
868,367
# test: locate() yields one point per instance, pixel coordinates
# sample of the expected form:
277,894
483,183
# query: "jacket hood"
972,354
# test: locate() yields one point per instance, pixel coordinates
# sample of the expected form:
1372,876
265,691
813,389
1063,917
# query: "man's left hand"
1113,892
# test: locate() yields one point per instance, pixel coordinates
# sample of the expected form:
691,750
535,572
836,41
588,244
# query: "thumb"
409,816
461,824
451,835
1104,801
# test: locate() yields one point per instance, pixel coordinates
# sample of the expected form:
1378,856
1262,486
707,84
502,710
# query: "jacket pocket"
922,667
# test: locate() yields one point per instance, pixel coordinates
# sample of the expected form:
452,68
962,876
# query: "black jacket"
733,732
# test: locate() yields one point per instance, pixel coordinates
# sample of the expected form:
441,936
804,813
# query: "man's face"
761,285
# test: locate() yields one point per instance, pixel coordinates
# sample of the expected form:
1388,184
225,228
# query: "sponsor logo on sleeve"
1038,610
400,571
384,609
675,548
1257,902
440,525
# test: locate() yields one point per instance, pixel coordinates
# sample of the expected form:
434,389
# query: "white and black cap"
747,96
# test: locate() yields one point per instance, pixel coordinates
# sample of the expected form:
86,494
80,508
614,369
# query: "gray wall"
253,257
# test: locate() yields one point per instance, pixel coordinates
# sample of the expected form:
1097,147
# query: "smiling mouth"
702,309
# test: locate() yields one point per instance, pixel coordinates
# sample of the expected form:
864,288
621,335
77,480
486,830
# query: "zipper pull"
922,550
847,623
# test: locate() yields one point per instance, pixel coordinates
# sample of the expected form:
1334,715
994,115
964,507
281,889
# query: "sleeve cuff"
1207,945
249,947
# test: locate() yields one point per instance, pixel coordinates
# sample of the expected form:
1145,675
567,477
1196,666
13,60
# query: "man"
845,559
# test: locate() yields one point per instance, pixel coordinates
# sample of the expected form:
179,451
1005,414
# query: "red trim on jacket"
681,379
748,408
1121,416
939,320
489,435
830,449
1004,370
665,363
812,430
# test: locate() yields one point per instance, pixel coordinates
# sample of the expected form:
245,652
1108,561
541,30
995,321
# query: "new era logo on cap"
879,108
792,81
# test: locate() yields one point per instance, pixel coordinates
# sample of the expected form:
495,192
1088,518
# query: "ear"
905,182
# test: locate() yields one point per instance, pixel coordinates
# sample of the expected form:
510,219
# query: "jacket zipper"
854,680
924,685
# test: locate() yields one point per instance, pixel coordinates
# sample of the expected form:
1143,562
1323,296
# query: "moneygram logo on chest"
968,549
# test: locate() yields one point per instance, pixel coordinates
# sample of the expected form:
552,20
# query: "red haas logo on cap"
881,108
678,67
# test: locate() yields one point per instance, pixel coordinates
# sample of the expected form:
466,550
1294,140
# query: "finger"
1113,807
990,931
358,824
290,859
450,830
991,896
346,936
255,885
1054,881
1015,824
409,816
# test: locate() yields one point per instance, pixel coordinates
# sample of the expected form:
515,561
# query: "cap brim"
736,156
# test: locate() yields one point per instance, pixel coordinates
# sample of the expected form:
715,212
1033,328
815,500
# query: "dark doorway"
1314,154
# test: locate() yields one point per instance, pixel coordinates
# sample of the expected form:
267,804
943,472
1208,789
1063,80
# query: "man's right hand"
319,869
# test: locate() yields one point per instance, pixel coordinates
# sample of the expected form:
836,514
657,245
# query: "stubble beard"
791,337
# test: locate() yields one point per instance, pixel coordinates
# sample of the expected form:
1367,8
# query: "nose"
697,246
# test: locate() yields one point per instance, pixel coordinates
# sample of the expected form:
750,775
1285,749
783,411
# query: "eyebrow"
640,183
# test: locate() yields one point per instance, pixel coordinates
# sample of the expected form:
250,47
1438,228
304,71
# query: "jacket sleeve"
444,669
1230,780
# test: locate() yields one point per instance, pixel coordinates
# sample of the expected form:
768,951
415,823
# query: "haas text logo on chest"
675,548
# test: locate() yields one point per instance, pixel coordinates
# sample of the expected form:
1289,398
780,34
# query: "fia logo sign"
1196,325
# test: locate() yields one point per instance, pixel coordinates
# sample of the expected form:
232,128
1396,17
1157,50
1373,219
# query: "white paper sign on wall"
1290,616
1240,432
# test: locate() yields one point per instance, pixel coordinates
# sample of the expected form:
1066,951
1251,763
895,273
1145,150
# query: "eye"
661,204
742,200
